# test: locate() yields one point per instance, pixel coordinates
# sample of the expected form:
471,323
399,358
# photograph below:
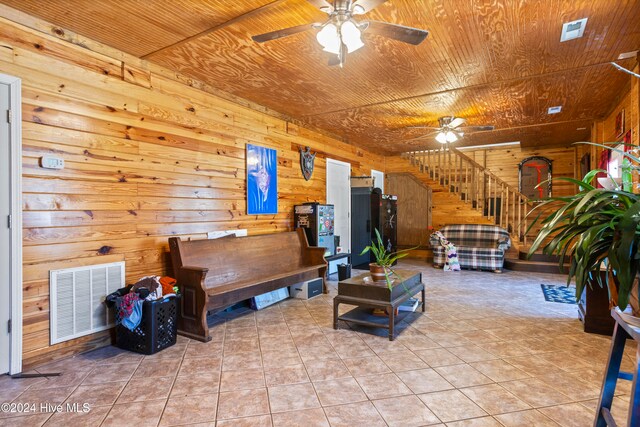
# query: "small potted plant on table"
382,267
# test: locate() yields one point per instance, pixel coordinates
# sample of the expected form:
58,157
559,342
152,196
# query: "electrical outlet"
51,162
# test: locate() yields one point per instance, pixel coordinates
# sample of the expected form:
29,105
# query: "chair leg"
611,374
634,404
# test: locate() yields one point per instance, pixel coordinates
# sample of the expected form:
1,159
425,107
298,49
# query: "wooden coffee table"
366,294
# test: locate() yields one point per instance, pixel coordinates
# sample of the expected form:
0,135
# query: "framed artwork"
535,177
262,180
620,124
627,142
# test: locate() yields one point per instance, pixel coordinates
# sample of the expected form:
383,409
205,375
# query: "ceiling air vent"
554,110
573,30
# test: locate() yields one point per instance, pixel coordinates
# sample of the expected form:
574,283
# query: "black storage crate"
158,328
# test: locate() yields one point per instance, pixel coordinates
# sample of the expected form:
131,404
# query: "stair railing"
476,185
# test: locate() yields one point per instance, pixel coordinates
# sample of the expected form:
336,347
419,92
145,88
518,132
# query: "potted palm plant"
385,259
599,229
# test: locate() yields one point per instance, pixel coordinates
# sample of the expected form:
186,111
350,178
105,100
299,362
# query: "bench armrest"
316,255
194,269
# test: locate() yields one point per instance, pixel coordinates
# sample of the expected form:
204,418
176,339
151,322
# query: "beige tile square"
477,422
193,385
339,391
451,405
403,361
24,420
471,353
49,396
286,375
380,386
146,414
438,357
424,381
111,373
242,380
570,415
499,370
306,418
570,385
536,393
96,394
405,411
533,365
91,418
525,418
326,369
142,389
292,397
257,421
494,399
362,414
239,361
362,366
463,375
243,403
156,369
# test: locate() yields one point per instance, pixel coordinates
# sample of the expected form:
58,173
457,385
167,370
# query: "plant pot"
633,301
633,297
377,272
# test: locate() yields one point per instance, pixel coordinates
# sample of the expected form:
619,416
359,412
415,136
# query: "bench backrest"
476,235
239,259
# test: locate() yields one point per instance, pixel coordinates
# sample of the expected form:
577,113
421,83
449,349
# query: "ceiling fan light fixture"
329,38
441,137
451,137
351,36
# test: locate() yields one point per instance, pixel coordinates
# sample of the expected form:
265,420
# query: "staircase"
539,263
464,192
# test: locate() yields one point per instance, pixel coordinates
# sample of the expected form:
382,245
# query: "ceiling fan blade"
361,7
278,34
334,60
468,129
422,127
323,5
427,135
401,33
457,122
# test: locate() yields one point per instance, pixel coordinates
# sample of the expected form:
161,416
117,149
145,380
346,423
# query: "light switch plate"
51,162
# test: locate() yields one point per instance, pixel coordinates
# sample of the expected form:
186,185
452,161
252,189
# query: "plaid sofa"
479,246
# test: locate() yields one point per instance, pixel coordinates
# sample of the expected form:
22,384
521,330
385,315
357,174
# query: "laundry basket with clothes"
146,314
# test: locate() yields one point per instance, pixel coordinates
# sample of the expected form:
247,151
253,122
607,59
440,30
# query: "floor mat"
563,294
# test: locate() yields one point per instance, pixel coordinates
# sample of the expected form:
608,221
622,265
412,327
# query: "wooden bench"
215,274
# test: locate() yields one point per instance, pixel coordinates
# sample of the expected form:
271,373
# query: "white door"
339,195
5,232
378,179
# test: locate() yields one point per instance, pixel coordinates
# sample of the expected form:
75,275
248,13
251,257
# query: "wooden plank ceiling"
496,62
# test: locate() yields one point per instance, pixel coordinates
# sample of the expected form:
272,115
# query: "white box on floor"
306,290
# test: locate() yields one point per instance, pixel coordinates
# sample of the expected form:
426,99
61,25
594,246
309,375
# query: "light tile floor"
489,351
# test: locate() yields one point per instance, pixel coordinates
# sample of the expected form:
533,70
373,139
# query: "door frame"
15,272
339,162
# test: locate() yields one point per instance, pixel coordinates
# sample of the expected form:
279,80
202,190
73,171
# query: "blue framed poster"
262,180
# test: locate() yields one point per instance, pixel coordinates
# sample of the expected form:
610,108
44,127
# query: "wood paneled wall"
503,162
146,157
414,208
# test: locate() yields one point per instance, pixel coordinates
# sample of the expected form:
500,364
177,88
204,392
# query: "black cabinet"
360,225
371,210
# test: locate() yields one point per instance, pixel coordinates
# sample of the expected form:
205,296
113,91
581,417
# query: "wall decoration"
620,124
262,180
306,162
627,142
533,171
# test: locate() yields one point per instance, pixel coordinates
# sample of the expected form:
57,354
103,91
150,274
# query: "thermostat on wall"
50,162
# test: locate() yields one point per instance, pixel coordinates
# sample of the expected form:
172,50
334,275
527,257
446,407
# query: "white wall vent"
573,30
554,110
77,299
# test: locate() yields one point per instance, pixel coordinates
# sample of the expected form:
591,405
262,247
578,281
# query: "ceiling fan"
450,129
342,33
